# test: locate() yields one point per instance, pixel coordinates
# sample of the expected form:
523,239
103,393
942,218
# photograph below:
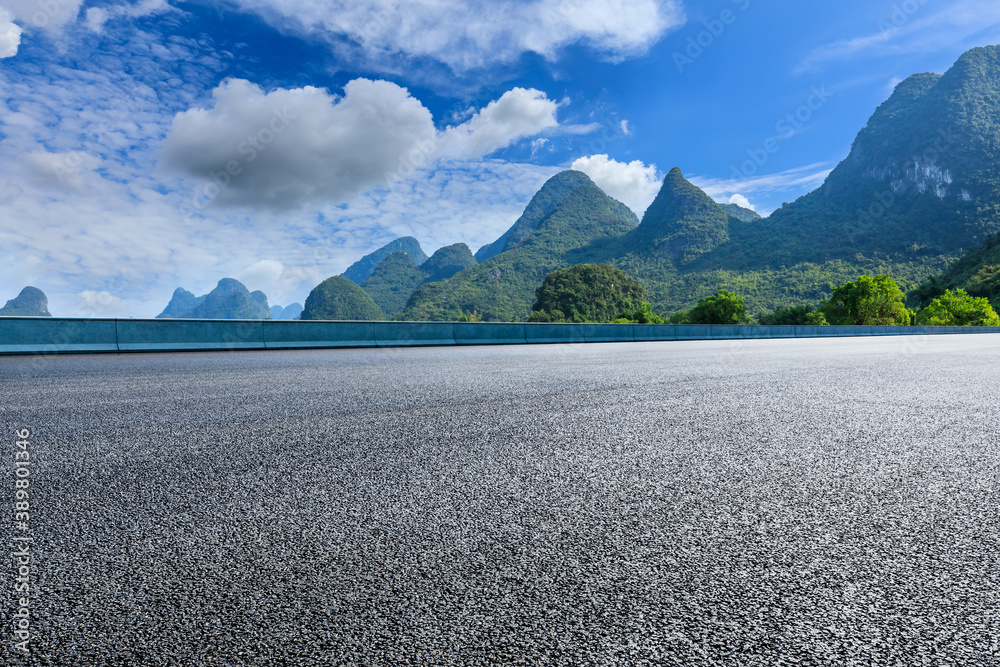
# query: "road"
774,502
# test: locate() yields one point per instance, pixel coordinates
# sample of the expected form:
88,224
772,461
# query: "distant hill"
364,267
31,302
290,312
230,300
740,213
503,287
398,276
338,298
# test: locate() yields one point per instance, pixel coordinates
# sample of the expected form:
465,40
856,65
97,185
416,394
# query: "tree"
642,315
958,309
787,316
587,293
722,308
875,301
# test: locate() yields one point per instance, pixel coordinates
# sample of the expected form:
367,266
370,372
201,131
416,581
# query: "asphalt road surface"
774,502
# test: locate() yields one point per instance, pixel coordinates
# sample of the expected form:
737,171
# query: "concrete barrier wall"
481,333
48,335
288,334
412,334
177,335
556,333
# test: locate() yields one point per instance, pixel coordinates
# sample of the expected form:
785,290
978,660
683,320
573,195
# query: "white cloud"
277,281
91,303
10,34
519,113
469,34
50,15
293,147
912,28
304,146
795,180
742,201
69,171
634,183
96,17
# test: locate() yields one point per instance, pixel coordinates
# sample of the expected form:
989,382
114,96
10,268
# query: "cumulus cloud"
634,183
519,113
92,303
289,148
96,17
742,201
468,34
10,34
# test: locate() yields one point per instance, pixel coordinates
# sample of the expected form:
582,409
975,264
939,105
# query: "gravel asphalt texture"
773,502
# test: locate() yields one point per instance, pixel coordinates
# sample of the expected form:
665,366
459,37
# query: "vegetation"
31,302
396,278
338,298
792,315
230,300
920,186
393,282
502,289
555,191
958,309
876,301
722,308
364,267
588,293
977,272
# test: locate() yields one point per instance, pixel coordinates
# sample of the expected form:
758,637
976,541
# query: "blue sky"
150,145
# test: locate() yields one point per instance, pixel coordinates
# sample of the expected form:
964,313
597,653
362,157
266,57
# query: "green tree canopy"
958,309
722,308
587,293
792,315
338,298
875,301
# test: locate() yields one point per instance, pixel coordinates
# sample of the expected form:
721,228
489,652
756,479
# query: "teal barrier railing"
50,335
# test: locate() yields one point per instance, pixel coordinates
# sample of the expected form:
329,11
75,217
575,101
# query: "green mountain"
740,213
541,206
503,287
230,300
398,276
31,302
394,280
977,272
921,183
365,266
920,186
338,298
181,304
